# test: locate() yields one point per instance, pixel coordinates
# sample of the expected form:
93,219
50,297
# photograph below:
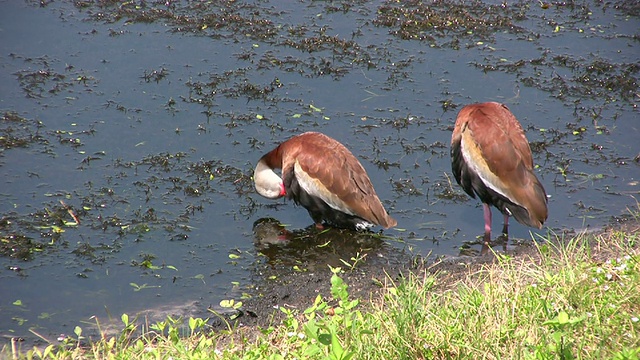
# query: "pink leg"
487,223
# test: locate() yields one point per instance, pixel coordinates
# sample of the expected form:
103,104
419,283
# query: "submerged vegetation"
567,298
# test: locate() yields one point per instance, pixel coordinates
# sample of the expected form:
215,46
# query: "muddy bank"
381,267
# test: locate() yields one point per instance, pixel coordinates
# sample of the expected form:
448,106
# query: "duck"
491,159
323,176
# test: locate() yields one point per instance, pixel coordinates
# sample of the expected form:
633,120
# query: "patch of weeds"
216,170
19,132
630,8
85,250
412,146
269,60
19,246
18,233
146,261
47,81
322,42
218,19
595,78
444,189
230,84
155,75
36,84
406,187
334,56
434,20
66,137
164,161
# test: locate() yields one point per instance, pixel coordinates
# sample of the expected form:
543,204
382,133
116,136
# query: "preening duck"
324,177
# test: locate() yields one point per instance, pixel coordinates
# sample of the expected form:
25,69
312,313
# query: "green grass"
560,305
579,299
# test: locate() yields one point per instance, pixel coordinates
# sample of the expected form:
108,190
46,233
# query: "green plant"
562,326
332,326
356,260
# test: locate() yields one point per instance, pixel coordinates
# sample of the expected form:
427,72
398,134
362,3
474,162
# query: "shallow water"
147,128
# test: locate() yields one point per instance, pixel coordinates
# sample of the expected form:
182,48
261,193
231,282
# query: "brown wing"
502,144
336,176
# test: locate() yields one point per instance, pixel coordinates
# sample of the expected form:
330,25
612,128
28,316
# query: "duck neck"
267,182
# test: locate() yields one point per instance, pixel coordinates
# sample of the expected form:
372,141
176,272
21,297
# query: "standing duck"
323,176
491,158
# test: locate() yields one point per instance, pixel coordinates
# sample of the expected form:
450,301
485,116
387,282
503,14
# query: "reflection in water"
311,246
295,272
479,247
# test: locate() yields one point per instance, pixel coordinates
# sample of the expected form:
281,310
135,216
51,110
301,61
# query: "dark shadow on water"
296,265
312,247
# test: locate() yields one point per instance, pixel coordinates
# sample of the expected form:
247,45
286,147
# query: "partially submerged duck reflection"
479,247
311,246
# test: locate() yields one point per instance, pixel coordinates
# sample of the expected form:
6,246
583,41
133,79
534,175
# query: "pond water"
130,132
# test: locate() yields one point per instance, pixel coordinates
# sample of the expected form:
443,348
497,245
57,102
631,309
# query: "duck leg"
504,237
486,241
505,227
487,223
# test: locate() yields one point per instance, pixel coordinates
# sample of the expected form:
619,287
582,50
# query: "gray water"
149,130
